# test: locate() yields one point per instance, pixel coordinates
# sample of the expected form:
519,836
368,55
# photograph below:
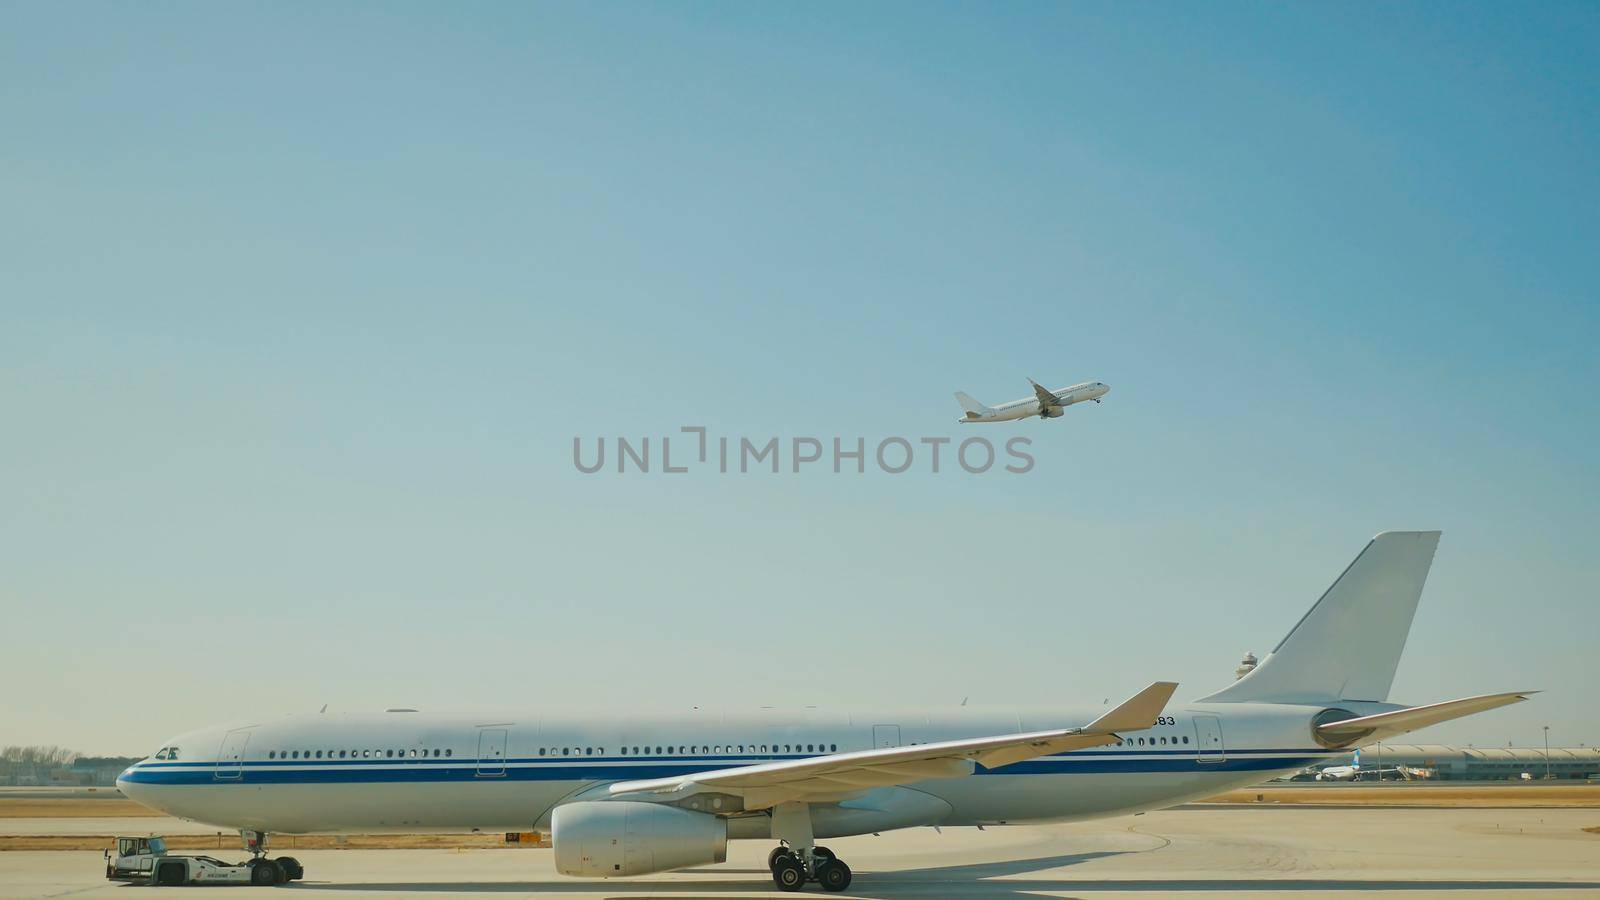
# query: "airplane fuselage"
415,772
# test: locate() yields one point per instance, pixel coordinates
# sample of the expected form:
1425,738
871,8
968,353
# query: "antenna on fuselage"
323,709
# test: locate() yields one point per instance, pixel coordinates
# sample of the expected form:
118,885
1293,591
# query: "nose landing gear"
269,871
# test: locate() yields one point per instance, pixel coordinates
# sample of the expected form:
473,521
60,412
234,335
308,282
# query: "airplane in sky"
1045,404
624,795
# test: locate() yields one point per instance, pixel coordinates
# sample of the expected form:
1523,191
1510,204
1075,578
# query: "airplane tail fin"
1348,646
972,406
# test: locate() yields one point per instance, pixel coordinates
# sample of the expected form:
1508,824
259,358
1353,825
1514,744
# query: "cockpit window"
172,753
161,754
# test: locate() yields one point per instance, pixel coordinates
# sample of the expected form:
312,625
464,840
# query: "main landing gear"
264,871
798,860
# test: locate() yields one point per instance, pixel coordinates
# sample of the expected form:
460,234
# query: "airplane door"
1208,733
230,758
491,752
886,735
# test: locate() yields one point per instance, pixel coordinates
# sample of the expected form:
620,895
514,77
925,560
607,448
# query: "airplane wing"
832,777
1387,725
1046,398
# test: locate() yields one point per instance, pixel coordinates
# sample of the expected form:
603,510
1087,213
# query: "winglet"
1137,712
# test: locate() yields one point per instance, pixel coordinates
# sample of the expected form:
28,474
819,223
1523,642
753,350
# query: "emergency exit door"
230,758
1208,734
491,753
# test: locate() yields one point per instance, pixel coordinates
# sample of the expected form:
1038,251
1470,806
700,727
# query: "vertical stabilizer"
1348,646
972,406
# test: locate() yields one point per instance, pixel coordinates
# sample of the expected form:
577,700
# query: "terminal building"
1485,763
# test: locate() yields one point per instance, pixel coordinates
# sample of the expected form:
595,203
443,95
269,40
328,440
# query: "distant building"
1485,763
99,770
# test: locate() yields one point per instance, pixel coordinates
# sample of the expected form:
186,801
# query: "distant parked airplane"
1044,403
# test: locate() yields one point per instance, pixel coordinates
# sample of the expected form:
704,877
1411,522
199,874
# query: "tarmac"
1262,850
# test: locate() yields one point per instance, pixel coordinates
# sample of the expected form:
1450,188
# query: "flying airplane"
1045,404
624,795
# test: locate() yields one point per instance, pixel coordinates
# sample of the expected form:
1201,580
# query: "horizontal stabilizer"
1387,725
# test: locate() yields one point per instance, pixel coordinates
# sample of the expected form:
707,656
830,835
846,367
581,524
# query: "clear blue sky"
301,306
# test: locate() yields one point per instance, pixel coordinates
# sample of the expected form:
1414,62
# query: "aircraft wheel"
777,853
788,874
822,853
834,875
292,870
265,873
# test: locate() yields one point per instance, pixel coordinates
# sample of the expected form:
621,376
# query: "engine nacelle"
1054,412
606,838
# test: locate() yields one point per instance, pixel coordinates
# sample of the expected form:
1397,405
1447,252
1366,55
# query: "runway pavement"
1262,851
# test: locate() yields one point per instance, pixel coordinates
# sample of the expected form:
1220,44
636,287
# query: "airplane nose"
133,790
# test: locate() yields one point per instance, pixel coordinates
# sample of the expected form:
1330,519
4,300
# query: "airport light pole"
1547,753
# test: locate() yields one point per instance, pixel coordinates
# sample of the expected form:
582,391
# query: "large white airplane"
1045,404
627,795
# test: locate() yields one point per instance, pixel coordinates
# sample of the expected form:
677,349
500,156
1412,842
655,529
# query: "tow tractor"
146,860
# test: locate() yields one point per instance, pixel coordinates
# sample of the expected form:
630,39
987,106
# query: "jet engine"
608,838
1054,412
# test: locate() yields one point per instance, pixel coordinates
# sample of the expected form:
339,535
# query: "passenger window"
294,754
833,748
566,751
271,754
341,754
1186,739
